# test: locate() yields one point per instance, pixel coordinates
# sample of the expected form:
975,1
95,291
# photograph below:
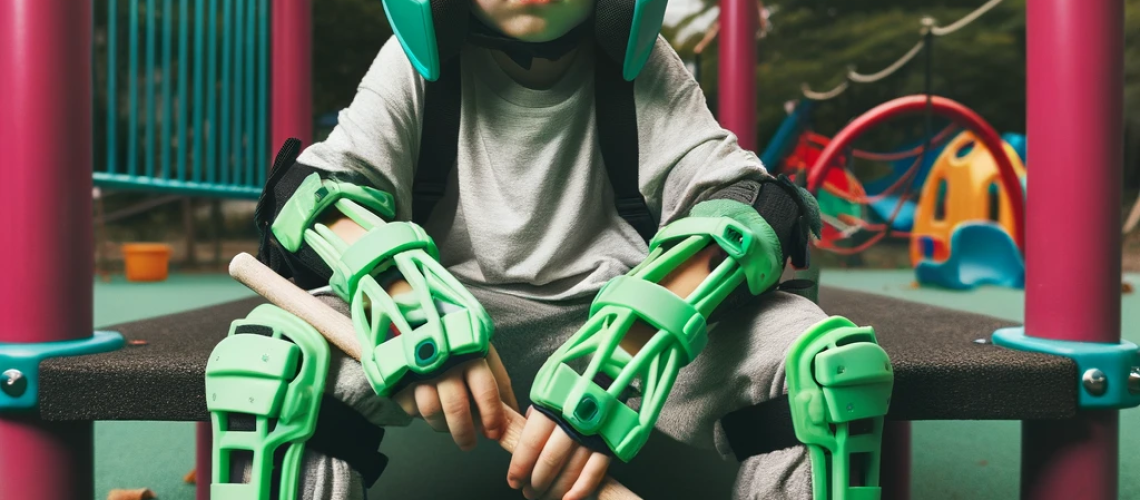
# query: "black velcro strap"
760,429
779,203
341,433
616,117
345,434
439,140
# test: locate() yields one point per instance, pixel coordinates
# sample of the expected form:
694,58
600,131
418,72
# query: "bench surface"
941,373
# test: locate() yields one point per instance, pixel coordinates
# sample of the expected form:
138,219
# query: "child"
526,232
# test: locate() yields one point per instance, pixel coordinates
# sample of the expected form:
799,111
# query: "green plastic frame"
682,333
420,350
313,196
837,374
425,349
270,378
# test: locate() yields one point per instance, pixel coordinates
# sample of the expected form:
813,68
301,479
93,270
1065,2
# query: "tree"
981,65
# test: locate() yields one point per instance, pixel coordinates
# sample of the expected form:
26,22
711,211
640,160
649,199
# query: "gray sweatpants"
742,365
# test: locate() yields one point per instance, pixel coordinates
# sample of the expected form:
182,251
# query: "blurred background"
808,43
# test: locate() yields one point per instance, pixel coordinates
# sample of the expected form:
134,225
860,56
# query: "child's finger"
427,401
506,392
534,436
407,400
481,383
569,474
590,478
550,460
456,409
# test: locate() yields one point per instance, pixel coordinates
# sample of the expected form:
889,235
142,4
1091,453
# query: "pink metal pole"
292,90
46,137
1072,290
736,108
203,469
894,475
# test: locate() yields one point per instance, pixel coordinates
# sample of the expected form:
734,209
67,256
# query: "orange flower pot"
146,261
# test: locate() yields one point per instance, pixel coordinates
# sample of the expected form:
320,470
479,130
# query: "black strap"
616,117
760,429
439,140
345,434
341,433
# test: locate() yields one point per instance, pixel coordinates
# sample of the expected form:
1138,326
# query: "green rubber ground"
952,460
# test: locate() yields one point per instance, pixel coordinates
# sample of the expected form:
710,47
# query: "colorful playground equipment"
963,223
945,195
1065,377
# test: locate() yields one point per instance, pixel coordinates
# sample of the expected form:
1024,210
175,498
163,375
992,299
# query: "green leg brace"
256,371
839,390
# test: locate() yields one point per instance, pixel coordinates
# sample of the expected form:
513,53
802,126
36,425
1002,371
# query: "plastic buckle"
1109,373
839,377
20,365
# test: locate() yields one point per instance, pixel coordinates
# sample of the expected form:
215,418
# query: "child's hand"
549,464
443,402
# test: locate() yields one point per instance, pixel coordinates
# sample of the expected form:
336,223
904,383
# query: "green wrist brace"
256,372
592,410
837,376
401,337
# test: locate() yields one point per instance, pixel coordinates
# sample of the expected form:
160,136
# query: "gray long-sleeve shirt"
529,208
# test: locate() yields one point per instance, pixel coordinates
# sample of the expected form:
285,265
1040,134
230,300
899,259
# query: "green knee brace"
410,336
255,372
593,410
839,377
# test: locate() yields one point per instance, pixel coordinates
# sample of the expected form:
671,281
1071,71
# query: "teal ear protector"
433,31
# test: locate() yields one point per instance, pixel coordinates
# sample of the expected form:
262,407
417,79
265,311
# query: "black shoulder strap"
439,140
616,117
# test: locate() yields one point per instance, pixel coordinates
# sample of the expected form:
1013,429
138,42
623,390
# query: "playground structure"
963,222
1070,446
934,188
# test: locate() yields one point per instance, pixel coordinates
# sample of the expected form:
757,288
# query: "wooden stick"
338,329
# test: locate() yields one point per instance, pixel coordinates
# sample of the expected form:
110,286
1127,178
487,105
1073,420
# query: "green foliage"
813,42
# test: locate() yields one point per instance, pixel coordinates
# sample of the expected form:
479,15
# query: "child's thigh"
528,331
742,365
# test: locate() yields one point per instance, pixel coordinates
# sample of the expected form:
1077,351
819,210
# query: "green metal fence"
186,94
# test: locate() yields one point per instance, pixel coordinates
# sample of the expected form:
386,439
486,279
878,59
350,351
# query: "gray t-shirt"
529,208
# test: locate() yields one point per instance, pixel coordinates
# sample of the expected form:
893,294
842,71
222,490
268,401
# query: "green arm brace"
753,257
269,378
403,337
838,376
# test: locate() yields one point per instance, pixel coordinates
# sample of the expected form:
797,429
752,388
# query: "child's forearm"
350,231
682,281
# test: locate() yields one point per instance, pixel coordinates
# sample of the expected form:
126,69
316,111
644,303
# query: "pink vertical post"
292,89
1072,290
894,475
203,451
46,137
736,108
